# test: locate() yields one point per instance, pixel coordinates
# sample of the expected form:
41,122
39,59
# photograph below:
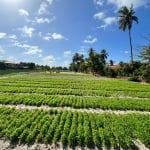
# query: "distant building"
115,67
10,64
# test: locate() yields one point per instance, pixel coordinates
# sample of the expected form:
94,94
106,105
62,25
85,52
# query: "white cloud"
136,3
47,38
99,2
17,44
67,53
99,15
23,12
5,36
2,35
2,51
126,52
33,50
49,60
40,34
108,21
13,37
90,40
42,20
27,31
43,8
57,36
50,1
30,50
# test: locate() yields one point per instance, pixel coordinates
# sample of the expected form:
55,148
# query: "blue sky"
49,32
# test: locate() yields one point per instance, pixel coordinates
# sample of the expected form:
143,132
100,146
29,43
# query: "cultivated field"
73,111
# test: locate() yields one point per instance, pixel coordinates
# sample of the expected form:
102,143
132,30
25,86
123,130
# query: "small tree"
146,73
97,61
145,53
2,65
77,60
145,56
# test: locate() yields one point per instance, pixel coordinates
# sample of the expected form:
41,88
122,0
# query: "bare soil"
7,145
88,110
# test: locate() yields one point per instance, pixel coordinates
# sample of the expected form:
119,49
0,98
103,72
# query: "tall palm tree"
126,18
91,59
111,62
103,56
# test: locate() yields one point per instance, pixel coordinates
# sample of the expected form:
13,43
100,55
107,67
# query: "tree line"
4,65
97,64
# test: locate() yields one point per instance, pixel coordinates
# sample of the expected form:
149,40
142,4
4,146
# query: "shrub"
146,74
134,78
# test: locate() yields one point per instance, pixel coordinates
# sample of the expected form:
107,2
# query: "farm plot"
56,86
74,128
77,102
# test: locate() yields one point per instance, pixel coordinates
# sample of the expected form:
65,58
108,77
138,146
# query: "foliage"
95,63
77,60
76,128
129,70
112,73
70,127
126,18
134,78
146,73
145,53
2,66
75,92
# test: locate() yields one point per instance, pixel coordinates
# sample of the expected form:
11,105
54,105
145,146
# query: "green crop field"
67,117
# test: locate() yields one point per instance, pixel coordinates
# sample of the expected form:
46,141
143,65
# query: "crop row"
76,101
74,128
108,85
77,92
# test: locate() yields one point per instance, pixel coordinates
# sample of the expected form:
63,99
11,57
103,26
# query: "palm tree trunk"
131,45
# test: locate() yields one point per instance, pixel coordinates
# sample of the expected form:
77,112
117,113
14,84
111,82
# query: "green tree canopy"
145,53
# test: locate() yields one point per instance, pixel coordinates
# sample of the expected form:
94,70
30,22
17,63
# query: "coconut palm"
126,18
77,58
103,56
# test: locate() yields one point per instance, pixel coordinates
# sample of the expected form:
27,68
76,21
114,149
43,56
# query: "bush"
146,74
134,79
110,72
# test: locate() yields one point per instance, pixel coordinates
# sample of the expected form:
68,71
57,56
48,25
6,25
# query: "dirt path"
140,145
83,96
90,110
7,145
